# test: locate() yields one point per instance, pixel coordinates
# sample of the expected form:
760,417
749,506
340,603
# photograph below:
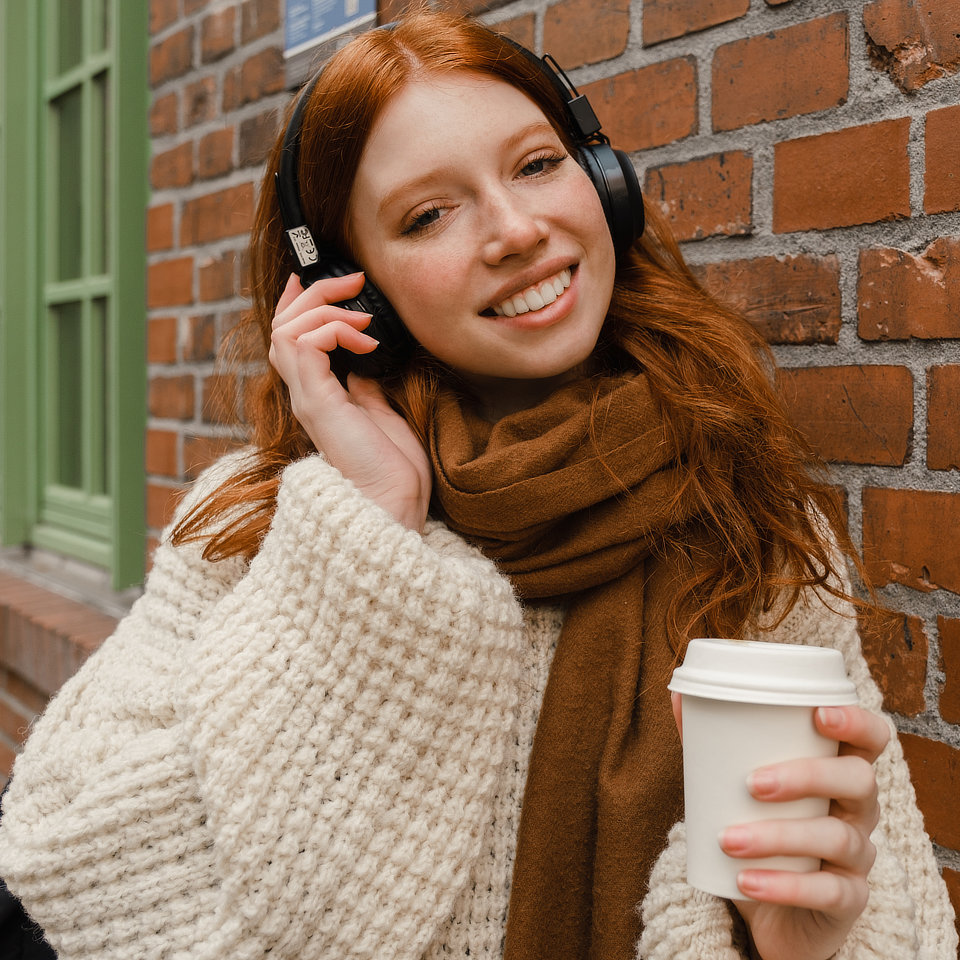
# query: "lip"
533,277
548,315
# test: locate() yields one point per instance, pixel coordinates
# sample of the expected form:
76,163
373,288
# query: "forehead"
435,115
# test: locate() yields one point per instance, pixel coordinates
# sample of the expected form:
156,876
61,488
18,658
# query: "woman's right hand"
355,428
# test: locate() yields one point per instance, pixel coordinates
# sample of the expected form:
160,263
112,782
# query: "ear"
675,701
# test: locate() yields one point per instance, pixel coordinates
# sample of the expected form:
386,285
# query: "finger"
318,317
291,291
833,894
330,290
848,779
676,705
824,838
860,732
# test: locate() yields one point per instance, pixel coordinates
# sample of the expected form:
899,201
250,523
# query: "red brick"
942,173
216,277
582,31
200,102
949,634
217,34
935,771
172,57
258,18
852,176
793,71
664,19
244,339
162,340
706,197
170,282
257,135
521,29
943,417
788,299
648,107
261,75
226,213
7,757
14,722
161,504
914,41
200,451
220,397
192,6
172,168
18,690
895,646
901,295
160,227
201,339
215,153
852,414
163,13
161,452
171,398
164,112
910,537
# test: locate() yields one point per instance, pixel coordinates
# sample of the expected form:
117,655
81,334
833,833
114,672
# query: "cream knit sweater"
322,754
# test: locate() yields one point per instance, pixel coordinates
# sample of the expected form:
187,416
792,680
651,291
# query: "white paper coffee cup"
747,704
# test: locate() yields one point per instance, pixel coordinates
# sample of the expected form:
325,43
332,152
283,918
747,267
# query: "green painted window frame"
74,151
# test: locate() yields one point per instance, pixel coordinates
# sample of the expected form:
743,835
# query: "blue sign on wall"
309,22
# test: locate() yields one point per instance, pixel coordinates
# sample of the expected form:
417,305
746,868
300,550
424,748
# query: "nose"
510,228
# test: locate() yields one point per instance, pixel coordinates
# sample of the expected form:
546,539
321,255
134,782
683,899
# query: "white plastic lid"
749,671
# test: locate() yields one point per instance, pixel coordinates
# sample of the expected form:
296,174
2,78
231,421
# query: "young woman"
397,684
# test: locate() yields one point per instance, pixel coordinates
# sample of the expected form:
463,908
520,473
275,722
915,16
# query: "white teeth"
534,298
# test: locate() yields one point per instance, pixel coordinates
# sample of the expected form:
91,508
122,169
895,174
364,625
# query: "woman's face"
485,235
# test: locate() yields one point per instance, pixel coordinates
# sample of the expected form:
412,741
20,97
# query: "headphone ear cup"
617,185
396,343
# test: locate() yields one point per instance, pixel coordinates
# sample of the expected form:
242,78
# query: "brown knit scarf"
567,517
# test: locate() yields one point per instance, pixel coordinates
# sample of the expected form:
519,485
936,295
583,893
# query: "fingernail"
763,782
830,716
734,839
750,883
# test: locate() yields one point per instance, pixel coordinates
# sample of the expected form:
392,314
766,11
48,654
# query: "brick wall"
807,153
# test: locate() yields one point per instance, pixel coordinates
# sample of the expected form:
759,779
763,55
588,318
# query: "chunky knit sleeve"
293,759
908,914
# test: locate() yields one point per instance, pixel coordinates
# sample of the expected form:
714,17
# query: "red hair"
760,485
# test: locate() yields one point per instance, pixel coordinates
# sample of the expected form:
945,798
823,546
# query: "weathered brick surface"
935,771
910,537
800,69
217,277
170,282
665,19
164,113
821,182
582,31
161,452
218,34
522,29
914,41
788,299
258,18
942,160
649,106
223,213
171,397
172,168
943,417
948,632
160,227
162,340
852,414
200,101
901,295
215,153
171,57
709,196
895,646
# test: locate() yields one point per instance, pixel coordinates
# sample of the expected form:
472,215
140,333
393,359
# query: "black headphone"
610,171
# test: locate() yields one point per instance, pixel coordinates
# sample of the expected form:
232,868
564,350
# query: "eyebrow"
510,143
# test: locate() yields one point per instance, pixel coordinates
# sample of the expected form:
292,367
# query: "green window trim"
73,194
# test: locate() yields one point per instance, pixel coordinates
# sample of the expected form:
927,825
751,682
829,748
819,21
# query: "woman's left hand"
806,916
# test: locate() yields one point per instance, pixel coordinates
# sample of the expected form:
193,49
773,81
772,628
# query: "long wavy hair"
764,494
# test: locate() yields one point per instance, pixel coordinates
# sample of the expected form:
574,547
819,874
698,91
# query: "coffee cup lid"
752,671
